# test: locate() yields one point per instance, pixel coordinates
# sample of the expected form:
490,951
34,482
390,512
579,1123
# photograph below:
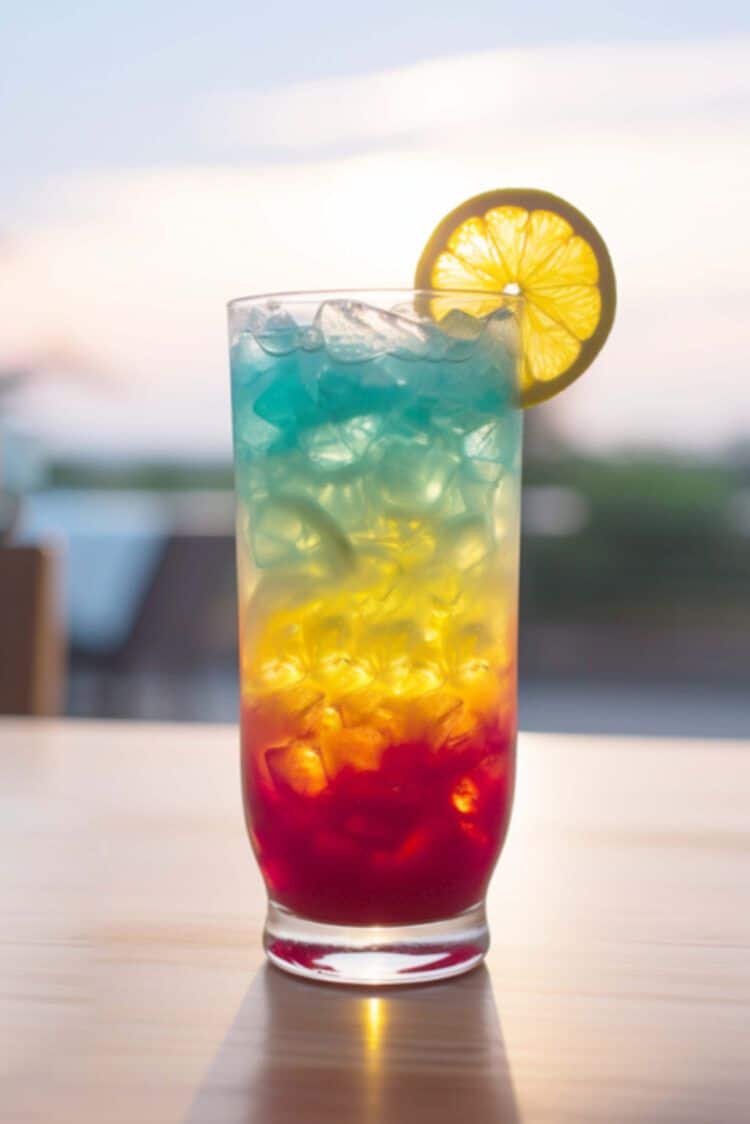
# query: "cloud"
134,266
563,87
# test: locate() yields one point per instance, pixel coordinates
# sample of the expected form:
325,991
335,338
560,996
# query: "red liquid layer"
413,840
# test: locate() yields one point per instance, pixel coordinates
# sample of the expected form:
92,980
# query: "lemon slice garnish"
536,245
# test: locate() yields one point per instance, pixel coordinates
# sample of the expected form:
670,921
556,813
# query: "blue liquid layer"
324,447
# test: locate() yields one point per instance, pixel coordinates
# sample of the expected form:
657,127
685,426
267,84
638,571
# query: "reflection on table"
299,1051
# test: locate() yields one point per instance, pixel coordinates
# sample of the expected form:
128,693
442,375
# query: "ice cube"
481,688
475,656
287,473
311,339
465,541
423,714
412,474
505,513
253,435
326,636
456,731
445,591
392,643
298,767
488,472
368,706
435,706
477,492
345,497
277,674
330,648
465,796
340,444
286,715
453,501
359,747
415,680
487,443
460,403
461,399
300,702
459,325
288,404
471,643
360,432
414,420
274,328
344,393
492,448
272,645
248,360
326,447
414,542
402,659
501,340
289,530
358,707
277,598
339,675
322,718
453,338
354,331
491,391
460,333
392,720
372,590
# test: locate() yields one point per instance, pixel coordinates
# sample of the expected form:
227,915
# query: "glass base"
376,956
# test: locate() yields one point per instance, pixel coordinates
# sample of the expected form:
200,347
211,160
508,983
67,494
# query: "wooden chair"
31,634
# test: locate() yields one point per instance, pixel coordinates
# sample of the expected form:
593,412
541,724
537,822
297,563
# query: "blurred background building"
157,164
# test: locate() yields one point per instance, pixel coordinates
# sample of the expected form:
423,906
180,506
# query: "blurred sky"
160,159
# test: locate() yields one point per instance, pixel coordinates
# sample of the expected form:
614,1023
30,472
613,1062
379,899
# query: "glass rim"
319,295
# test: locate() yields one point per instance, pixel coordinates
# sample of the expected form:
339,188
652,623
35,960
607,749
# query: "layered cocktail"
378,461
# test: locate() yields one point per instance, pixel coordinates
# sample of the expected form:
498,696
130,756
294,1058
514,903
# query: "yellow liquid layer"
411,639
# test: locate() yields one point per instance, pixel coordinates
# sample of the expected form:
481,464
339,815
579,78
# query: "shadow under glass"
299,1051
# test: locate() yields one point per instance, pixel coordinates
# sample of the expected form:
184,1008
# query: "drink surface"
378,461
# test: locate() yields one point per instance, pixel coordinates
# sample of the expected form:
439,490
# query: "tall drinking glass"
377,442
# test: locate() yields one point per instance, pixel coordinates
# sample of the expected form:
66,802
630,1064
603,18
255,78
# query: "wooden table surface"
133,988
